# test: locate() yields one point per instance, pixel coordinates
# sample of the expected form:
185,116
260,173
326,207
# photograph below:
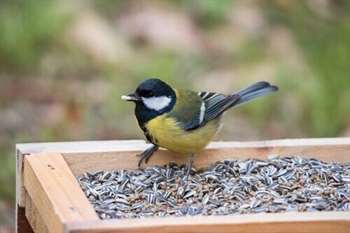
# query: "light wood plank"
34,216
121,153
47,182
126,145
55,191
327,150
292,222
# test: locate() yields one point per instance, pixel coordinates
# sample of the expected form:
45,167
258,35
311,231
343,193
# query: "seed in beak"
130,97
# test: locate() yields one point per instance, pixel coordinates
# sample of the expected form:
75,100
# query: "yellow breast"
169,135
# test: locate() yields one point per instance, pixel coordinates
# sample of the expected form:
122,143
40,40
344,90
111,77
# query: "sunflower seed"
228,187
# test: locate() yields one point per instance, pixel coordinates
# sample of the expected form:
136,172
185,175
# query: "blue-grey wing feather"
215,104
193,124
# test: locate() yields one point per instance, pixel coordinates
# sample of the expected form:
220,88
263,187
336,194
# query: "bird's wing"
216,104
205,106
211,105
187,109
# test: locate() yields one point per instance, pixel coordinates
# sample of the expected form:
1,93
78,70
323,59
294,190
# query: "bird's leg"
189,165
147,154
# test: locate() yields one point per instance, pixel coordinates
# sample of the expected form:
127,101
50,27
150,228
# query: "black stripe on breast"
149,136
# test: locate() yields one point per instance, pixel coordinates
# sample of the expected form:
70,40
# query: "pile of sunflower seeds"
224,188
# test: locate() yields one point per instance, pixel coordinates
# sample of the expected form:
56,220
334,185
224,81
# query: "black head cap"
154,88
146,91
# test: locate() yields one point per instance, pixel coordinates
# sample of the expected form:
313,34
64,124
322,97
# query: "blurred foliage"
28,29
109,8
207,13
325,40
7,174
56,86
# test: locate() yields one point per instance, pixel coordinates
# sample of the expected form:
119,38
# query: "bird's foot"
189,167
147,154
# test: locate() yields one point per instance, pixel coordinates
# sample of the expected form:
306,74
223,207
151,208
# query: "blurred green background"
64,65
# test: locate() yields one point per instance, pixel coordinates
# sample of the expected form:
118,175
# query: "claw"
139,163
147,154
189,165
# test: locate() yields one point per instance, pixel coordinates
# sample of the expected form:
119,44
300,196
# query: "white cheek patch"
156,103
202,112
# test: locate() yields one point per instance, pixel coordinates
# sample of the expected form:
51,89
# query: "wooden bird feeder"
49,198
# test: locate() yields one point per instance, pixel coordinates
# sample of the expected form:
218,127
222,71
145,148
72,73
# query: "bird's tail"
256,90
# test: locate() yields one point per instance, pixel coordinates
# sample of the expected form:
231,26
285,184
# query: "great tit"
184,121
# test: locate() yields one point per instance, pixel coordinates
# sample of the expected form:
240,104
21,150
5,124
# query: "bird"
184,121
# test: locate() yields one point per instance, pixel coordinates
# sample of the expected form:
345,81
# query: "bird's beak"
131,97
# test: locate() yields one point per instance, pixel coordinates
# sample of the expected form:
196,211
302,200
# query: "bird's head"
152,97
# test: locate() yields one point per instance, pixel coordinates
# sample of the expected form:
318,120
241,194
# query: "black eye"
146,93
